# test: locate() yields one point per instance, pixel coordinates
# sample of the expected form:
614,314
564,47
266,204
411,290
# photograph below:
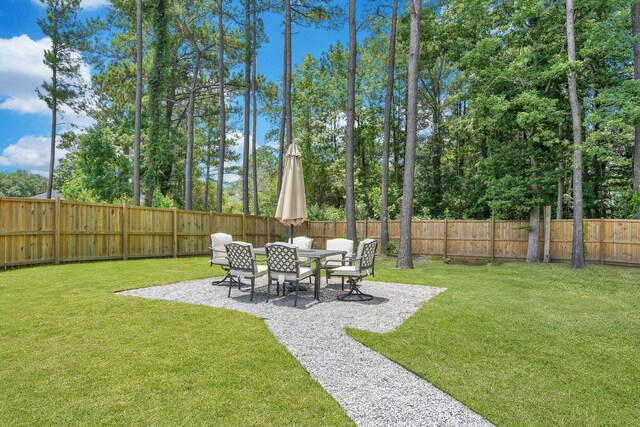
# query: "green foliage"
392,247
161,201
68,37
325,213
494,114
100,173
21,184
635,200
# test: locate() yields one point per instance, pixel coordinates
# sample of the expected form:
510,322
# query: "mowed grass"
525,345
72,352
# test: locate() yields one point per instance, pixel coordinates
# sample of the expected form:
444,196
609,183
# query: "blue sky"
25,120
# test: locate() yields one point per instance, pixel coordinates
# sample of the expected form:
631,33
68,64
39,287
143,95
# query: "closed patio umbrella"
292,203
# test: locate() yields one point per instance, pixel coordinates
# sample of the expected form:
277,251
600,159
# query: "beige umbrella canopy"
292,203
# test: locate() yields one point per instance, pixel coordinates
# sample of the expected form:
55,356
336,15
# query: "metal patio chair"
336,261
242,265
284,267
219,254
361,268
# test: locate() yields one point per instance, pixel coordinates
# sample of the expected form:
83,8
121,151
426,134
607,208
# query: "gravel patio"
373,390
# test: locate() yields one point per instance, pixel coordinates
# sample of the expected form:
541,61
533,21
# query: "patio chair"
335,261
284,267
219,254
242,265
361,268
303,242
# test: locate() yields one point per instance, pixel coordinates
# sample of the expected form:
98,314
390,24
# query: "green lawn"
525,345
72,352
520,344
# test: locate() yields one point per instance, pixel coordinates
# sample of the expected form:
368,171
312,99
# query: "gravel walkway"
373,390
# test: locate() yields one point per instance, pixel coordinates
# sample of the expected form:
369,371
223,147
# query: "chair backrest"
339,245
241,258
366,255
282,258
303,242
218,240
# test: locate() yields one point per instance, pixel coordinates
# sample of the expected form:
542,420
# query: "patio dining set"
295,262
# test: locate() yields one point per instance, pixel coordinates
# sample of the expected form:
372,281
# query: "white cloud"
30,152
25,105
21,66
85,4
22,72
93,4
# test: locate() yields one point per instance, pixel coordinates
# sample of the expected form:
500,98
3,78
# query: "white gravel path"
373,390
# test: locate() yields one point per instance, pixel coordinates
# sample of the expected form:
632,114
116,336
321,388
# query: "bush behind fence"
36,231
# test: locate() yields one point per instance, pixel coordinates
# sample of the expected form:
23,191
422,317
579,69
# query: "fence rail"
34,231
607,241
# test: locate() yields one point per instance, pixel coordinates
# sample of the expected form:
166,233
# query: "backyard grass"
525,345
72,352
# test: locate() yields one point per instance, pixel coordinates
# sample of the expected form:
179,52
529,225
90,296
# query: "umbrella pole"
291,234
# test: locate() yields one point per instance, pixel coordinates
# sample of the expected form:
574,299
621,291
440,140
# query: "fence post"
125,226
56,232
335,228
244,230
366,228
601,241
175,232
547,234
444,255
493,239
210,222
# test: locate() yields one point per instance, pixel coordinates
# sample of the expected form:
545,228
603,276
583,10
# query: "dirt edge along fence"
35,231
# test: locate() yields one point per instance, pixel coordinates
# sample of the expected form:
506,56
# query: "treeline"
495,132
21,184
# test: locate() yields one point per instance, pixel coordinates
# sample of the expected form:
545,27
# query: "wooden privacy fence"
34,231
607,241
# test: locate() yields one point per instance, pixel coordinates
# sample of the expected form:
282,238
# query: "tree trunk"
287,83
437,151
547,234
534,235
188,167
404,250
560,197
286,92
54,125
281,146
254,44
138,114
635,17
247,108
351,101
534,220
577,245
223,120
208,172
384,208
157,95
